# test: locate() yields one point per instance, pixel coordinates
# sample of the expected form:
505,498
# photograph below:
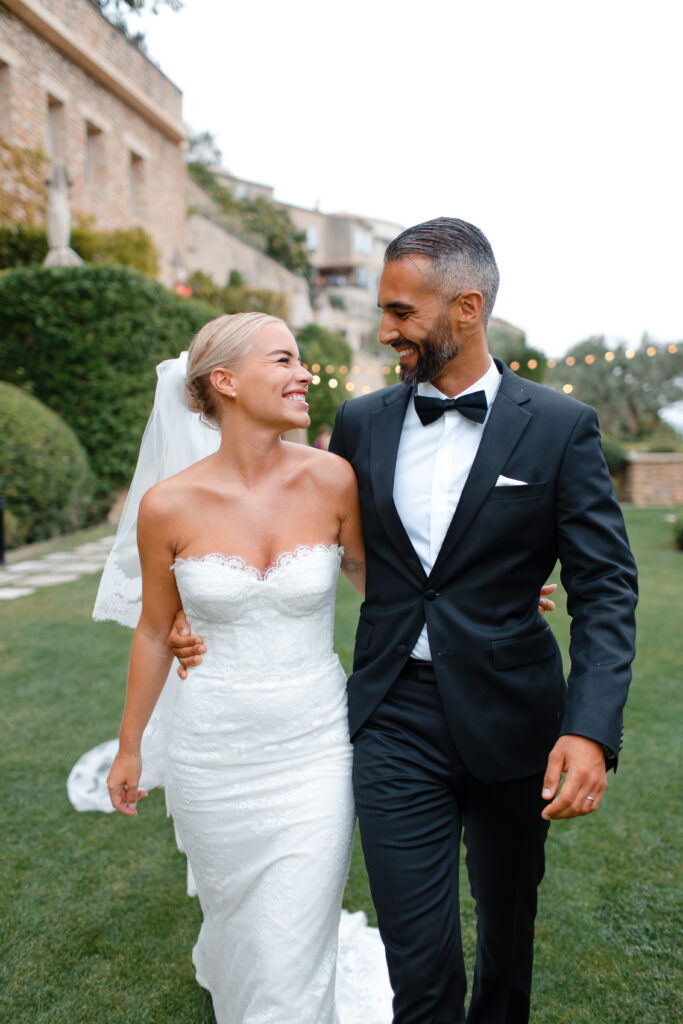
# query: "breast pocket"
518,492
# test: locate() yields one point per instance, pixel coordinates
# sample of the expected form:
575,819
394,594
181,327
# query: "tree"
509,344
118,6
321,348
202,148
626,386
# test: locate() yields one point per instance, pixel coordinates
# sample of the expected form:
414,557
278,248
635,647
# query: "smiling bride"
249,541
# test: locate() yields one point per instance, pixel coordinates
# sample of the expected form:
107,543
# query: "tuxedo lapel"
507,422
385,434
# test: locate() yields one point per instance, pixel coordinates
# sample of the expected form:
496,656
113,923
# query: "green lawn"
95,924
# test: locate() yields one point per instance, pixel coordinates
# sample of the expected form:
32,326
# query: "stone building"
73,86
347,253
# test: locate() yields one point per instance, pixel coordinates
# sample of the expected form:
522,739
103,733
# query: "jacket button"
430,595
402,649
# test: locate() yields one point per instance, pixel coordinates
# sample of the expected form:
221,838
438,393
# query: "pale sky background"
555,127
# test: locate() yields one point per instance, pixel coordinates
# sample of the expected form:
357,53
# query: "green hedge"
45,478
22,246
85,341
616,455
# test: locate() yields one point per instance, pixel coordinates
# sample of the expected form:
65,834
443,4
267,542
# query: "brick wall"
652,479
74,87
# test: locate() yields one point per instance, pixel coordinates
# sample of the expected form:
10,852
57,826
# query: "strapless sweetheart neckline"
283,559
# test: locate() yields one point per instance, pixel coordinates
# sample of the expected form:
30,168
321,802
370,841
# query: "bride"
249,541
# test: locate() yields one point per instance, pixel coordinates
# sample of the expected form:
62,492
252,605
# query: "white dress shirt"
432,466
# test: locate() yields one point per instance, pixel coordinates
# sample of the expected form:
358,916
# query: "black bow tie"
473,406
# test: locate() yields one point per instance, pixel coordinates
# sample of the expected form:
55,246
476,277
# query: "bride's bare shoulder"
326,469
171,495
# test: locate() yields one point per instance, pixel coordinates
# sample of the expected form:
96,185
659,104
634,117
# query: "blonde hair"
223,342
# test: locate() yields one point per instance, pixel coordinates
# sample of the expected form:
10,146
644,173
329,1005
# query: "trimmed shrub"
22,246
616,455
45,477
85,341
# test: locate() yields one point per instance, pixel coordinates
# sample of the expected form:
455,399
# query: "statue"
59,218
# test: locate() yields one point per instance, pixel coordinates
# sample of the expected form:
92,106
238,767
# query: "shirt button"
430,595
402,649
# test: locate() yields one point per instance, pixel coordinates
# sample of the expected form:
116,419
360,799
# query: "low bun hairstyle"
223,342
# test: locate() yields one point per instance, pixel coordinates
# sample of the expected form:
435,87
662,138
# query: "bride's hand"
187,648
544,603
122,783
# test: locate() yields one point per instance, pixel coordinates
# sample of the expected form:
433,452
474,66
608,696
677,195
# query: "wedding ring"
591,798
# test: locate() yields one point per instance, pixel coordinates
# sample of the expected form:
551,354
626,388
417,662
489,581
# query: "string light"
568,388
589,359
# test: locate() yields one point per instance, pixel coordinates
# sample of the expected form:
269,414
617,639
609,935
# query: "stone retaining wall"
652,479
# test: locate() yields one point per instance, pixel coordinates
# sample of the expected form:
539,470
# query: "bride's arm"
350,532
150,658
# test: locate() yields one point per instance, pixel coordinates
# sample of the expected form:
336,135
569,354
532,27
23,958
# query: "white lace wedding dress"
258,781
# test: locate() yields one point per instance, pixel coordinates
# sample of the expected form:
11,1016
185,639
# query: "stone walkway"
23,578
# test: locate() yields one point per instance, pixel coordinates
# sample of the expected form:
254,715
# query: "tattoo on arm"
352,566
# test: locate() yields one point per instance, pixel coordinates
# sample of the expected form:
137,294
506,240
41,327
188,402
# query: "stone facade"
73,86
652,479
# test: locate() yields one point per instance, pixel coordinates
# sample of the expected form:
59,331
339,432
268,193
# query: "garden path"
20,579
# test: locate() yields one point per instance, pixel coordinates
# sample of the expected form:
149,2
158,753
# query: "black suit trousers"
415,799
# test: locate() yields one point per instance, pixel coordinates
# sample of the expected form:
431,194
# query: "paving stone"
10,593
26,566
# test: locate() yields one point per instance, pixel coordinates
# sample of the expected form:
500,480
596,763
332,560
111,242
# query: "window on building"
137,184
362,241
94,154
56,128
241,190
5,100
312,239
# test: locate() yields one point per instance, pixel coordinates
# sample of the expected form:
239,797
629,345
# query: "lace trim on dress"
284,558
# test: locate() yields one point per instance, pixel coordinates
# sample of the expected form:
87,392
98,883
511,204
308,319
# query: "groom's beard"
436,350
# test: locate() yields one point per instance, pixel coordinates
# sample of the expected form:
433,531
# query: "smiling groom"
460,716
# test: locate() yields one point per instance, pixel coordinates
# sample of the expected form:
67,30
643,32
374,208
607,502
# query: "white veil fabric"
174,439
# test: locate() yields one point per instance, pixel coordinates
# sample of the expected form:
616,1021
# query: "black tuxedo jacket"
497,663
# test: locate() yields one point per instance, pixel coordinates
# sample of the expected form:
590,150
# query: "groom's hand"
582,762
187,648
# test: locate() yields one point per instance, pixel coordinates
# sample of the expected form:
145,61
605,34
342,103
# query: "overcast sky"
555,127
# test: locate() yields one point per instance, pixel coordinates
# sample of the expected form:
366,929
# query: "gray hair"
223,342
461,255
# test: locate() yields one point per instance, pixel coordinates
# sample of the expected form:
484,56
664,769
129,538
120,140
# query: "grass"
95,926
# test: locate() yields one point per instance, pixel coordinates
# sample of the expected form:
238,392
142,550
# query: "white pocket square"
508,481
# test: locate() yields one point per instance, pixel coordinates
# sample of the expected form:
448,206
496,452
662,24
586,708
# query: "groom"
461,721
459,714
